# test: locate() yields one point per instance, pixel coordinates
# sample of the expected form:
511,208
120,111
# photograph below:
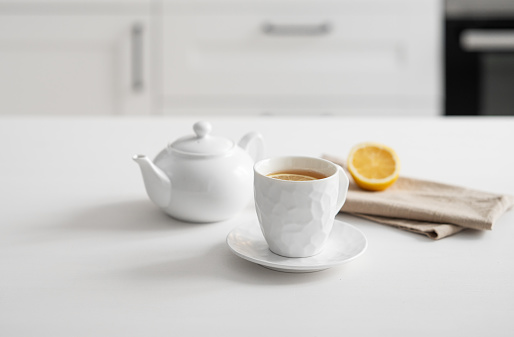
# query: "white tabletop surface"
83,252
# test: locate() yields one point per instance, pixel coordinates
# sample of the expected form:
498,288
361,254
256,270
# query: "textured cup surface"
296,217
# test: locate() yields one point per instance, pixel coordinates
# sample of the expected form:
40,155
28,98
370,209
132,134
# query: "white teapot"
202,178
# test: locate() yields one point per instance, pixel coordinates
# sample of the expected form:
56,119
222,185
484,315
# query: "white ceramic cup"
296,217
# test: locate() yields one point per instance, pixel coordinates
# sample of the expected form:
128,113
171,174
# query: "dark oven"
479,57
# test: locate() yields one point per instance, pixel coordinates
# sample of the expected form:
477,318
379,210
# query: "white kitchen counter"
83,252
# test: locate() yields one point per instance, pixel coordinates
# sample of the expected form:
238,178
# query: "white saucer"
344,244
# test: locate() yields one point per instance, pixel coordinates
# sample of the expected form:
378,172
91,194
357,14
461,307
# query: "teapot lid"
202,143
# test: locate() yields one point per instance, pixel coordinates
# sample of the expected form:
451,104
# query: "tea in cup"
296,200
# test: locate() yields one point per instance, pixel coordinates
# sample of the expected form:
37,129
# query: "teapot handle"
246,141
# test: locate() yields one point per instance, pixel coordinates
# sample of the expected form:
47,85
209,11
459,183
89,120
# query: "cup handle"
344,182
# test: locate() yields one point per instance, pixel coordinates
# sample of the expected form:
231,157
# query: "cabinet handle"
487,40
296,29
137,57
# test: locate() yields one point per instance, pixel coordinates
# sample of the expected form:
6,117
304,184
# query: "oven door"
479,67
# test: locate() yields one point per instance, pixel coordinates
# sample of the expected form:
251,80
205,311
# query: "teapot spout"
157,183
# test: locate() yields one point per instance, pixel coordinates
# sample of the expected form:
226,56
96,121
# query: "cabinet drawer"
333,51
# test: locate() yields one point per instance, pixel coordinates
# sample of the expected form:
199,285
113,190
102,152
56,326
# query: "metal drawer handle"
487,40
296,29
137,57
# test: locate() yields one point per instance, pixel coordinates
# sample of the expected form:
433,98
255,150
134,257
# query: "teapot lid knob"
202,129
202,143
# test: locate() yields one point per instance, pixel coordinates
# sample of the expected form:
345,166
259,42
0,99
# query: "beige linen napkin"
425,207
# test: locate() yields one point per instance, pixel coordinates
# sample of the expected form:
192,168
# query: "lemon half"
373,166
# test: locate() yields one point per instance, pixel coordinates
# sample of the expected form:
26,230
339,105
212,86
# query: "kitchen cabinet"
70,62
311,56
231,57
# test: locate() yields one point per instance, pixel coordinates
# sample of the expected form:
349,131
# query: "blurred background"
257,57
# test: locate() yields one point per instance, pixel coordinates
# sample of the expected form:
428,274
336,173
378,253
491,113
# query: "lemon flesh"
373,166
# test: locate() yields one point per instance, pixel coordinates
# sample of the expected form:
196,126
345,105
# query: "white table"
83,252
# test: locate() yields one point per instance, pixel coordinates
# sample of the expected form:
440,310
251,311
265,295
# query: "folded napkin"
425,207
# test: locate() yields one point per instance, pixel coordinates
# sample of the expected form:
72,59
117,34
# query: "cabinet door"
345,54
74,64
